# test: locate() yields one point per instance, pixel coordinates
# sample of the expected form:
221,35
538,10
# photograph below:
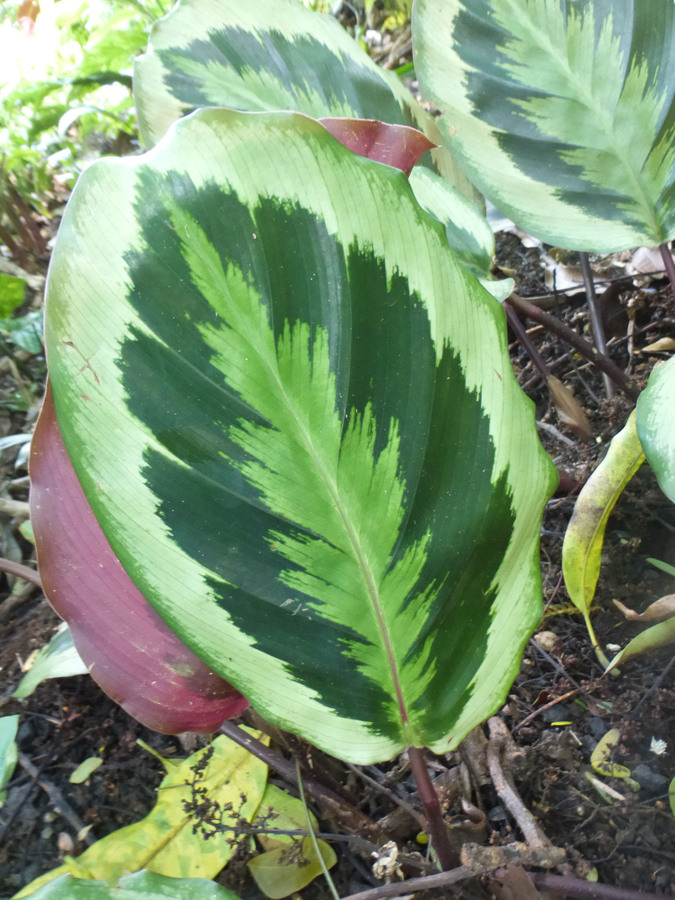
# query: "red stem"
550,323
432,808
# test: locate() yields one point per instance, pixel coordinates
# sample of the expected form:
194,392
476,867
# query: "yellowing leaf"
653,638
582,547
164,842
288,814
602,762
659,609
289,863
287,869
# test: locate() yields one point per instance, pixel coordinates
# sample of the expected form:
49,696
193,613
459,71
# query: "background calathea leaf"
293,414
266,55
129,651
561,111
655,425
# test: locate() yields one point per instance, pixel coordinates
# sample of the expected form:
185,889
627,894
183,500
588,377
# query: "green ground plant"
66,92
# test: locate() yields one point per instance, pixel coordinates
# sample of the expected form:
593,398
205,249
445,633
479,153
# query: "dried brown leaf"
569,410
659,609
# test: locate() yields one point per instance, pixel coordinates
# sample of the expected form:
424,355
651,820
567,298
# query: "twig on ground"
17,509
553,431
655,686
386,791
331,802
557,665
569,886
540,710
58,800
440,879
555,326
532,831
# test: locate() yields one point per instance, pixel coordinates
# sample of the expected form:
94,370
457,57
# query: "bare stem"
441,879
569,886
331,802
555,326
669,263
594,314
432,808
523,337
20,571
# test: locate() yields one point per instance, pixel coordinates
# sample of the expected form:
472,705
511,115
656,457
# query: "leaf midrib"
363,565
334,493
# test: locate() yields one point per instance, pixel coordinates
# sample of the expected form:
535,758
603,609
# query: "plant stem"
669,263
432,808
331,802
523,337
20,571
604,363
602,659
594,314
575,887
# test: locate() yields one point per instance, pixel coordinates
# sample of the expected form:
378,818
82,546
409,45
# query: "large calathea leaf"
266,55
562,111
294,417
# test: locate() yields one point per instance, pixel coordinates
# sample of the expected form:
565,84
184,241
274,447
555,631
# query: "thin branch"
569,886
438,830
20,571
532,832
331,802
541,709
17,509
523,337
440,879
555,326
59,802
399,801
594,314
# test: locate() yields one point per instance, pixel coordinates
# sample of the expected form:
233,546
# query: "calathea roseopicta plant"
293,415
289,406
